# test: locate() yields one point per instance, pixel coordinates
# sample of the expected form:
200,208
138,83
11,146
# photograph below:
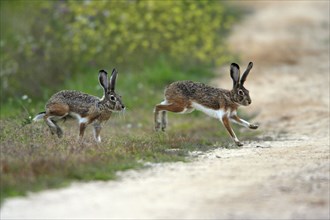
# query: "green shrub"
44,43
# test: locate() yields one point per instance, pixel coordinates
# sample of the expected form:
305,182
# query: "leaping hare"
186,96
85,108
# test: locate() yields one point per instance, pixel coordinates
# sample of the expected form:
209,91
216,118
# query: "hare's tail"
39,116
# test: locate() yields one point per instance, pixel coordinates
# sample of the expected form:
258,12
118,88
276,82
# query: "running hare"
186,96
85,108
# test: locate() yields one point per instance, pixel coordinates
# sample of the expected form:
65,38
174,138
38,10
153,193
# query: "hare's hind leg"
59,131
158,122
163,107
51,124
53,113
54,128
164,120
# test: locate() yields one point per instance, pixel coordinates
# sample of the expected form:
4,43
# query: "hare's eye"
240,92
112,98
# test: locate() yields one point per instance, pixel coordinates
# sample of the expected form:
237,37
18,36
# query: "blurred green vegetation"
48,46
44,44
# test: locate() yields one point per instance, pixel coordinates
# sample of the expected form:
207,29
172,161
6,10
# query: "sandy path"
287,177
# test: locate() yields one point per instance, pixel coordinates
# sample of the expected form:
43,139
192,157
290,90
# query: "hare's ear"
246,73
235,74
103,79
112,81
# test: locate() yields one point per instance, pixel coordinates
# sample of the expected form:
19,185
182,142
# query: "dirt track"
285,177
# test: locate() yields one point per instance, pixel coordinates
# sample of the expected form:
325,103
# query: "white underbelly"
187,110
78,117
219,113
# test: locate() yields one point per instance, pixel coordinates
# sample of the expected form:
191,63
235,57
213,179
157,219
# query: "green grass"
32,159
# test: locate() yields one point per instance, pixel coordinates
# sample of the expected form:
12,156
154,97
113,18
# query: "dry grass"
32,159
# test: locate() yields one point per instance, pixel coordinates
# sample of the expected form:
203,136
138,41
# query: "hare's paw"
157,126
238,143
53,131
59,132
253,126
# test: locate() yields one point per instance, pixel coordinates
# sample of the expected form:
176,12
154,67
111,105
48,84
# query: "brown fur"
86,108
58,109
185,92
181,96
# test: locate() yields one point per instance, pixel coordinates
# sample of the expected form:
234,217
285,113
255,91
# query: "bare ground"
283,174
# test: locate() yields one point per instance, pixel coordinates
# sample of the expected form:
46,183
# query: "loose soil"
283,173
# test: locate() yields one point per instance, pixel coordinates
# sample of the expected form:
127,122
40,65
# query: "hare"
85,108
186,96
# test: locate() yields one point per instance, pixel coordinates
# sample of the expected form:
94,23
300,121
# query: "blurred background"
48,46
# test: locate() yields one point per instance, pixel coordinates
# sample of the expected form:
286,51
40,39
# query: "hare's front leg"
225,122
97,129
82,128
234,118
